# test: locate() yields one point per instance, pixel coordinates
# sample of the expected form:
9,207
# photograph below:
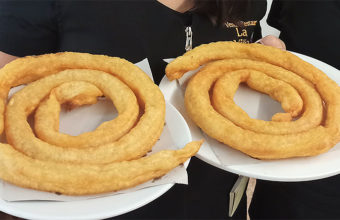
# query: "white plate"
295,169
103,207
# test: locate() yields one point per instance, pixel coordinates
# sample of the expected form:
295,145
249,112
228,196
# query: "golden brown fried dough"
146,131
82,179
308,135
223,102
46,118
93,162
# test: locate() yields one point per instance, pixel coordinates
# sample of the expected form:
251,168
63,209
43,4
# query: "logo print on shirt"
241,32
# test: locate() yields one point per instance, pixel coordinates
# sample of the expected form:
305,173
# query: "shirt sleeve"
28,27
274,14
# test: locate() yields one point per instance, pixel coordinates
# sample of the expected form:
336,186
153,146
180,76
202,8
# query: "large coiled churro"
315,131
77,93
85,165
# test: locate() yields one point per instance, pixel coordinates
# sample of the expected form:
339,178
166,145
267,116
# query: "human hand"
273,41
5,58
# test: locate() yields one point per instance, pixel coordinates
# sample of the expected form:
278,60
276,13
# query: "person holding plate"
134,30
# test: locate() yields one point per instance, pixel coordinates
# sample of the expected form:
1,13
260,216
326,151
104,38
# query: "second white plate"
289,170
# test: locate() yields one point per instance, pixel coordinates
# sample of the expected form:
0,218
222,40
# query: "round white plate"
104,207
293,170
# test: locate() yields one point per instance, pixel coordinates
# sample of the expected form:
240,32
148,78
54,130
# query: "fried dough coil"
317,129
284,93
126,148
86,179
77,93
113,163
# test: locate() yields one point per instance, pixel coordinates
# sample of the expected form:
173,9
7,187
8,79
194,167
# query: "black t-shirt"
129,29
311,27
133,30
